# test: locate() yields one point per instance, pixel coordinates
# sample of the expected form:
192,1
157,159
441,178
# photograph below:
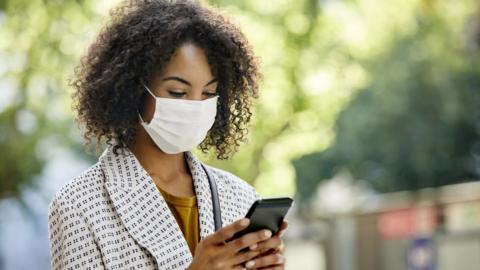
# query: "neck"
165,167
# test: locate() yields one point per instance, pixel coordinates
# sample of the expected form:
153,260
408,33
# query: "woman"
161,79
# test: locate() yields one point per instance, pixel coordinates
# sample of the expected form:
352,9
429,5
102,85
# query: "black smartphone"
267,213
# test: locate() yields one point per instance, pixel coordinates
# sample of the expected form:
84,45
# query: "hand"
214,252
272,252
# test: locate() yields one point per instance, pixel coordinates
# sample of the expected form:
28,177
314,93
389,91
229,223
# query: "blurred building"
424,230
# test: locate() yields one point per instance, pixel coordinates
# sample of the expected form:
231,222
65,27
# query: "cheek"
148,110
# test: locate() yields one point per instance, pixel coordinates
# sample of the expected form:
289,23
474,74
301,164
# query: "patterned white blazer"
112,216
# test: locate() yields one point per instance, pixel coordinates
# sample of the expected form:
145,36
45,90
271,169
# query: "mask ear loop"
148,90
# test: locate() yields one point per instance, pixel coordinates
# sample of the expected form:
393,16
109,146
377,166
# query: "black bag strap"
215,201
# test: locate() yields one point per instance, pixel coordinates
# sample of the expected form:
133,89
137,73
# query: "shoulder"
237,184
74,191
68,231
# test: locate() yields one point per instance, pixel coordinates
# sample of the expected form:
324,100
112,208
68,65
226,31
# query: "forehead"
189,61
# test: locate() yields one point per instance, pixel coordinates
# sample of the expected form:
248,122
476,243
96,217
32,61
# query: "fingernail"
268,233
280,234
280,258
250,264
253,247
244,222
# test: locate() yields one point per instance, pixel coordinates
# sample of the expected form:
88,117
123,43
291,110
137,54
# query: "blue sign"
421,254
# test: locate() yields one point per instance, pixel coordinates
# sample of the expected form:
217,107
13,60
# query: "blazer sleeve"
72,245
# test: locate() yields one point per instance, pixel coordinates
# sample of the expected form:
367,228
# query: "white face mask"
180,125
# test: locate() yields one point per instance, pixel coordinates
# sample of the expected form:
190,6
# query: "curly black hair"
138,42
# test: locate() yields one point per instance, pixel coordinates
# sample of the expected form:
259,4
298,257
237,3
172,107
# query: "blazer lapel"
202,187
145,213
204,196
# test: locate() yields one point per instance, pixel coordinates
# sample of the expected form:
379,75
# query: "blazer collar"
144,211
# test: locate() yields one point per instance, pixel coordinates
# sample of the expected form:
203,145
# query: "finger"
275,267
279,233
239,267
272,243
264,261
283,228
250,239
222,235
242,257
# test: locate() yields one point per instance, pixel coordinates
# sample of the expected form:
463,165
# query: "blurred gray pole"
344,243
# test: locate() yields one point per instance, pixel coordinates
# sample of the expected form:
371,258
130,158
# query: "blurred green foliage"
417,123
41,40
385,88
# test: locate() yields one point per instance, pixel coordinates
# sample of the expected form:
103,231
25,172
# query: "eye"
176,93
210,94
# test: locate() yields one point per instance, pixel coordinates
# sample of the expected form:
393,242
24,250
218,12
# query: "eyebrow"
175,78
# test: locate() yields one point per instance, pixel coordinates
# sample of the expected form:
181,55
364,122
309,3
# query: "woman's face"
186,76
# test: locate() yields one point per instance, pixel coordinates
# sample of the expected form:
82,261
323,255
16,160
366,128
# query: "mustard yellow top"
185,211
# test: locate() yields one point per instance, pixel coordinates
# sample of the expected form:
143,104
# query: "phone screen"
267,213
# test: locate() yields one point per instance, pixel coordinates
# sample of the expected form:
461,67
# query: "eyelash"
181,94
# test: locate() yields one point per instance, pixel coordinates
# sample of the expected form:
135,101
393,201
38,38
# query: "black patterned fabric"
113,216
